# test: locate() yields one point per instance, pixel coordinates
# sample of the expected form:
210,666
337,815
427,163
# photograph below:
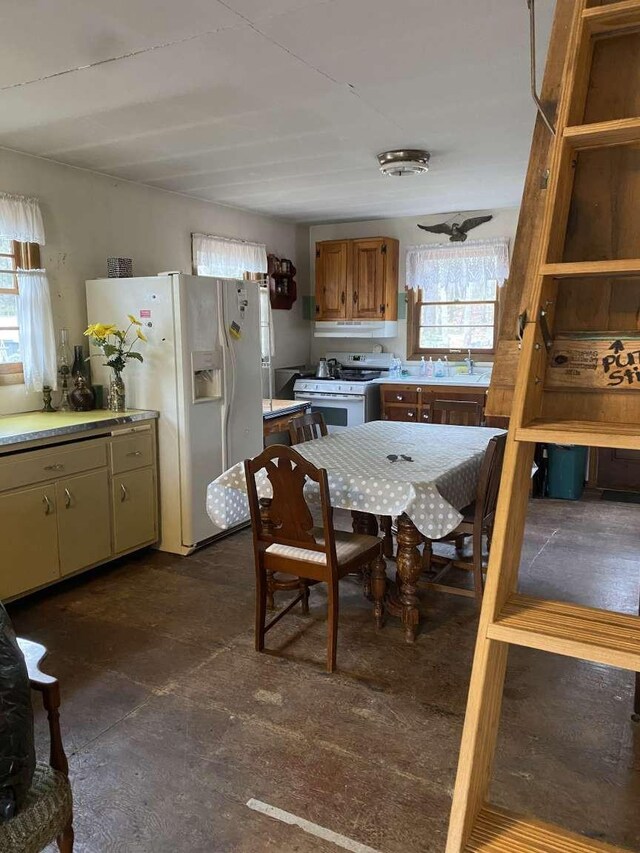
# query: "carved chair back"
285,518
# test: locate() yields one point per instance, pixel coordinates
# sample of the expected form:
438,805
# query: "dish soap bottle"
439,369
429,368
423,367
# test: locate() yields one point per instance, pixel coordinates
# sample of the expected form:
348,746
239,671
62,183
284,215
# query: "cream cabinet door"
84,525
134,509
28,540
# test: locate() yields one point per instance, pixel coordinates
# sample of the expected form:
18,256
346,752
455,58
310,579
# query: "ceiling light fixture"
406,161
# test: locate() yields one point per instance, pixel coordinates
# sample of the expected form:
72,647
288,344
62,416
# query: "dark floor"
172,721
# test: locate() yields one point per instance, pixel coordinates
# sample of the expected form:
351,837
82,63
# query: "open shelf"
585,434
614,17
604,133
499,831
592,269
601,636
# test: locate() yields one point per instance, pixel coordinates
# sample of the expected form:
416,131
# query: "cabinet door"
368,285
29,537
332,262
134,509
84,523
408,414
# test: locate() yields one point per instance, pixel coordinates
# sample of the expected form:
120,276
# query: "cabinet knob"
134,453
56,467
123,492
399,397
418,390
355,297
67,498
342,297
411,414
47,505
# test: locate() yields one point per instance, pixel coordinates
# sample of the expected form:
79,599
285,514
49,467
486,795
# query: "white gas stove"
352,398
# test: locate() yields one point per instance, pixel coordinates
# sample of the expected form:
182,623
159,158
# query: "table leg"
379,588
365,523
409,565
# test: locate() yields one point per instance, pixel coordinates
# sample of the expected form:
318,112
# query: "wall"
405,230
89,217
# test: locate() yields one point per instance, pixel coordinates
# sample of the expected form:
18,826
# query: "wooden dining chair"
456,412
477,522
307,427
47,814
286,541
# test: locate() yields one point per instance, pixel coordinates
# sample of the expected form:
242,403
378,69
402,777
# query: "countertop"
31,426
462,380
282,407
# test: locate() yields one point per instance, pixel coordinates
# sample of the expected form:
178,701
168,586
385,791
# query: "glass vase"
116,392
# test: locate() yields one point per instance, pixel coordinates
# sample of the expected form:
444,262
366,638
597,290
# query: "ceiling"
278,106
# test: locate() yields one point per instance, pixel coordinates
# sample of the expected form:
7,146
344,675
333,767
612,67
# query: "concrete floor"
172,721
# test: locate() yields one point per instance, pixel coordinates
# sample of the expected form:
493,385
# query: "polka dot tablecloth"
441,479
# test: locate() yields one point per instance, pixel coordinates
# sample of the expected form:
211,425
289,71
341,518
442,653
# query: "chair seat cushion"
348,547
46,812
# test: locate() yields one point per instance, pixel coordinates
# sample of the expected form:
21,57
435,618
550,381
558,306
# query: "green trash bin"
567,471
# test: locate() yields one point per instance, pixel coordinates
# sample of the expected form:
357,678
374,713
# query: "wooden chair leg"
269,591
478,579
304,589
332,619
65,841
261,607
427,553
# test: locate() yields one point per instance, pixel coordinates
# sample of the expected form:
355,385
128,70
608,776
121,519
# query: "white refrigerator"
201,372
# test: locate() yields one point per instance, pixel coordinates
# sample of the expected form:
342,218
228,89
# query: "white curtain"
267,343
21,219
227,258
37,337
443,268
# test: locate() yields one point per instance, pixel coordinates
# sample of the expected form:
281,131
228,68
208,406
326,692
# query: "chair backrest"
285,518
307,427
489,480
456,412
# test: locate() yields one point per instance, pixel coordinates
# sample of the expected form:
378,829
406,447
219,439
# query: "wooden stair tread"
500,831
583,433
592,269
604,133
573,630
612,17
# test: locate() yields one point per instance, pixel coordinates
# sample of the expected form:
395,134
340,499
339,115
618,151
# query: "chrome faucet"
470,362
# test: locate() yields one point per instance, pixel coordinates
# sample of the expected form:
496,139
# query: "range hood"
355,329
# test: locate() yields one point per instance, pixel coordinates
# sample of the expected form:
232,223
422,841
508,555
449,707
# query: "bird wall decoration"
457,232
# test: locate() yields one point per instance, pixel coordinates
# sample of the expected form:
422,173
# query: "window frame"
414,310
25,256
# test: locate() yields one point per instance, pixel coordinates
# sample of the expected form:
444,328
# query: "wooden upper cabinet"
368,290
357,279
332,282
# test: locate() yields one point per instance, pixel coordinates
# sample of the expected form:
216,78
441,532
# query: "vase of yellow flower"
116,346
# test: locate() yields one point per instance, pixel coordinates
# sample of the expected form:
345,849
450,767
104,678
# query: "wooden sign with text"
596,361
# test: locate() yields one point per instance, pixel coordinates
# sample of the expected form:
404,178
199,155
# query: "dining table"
420,474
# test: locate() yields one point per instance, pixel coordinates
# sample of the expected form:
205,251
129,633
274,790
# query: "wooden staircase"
584,282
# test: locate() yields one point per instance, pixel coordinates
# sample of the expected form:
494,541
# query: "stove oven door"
338,410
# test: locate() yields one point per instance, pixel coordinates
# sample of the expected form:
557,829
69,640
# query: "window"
13,255
454,297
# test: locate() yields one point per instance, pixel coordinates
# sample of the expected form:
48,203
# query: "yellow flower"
141,335
134,320
100,330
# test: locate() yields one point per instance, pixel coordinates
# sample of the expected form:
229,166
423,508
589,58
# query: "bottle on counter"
423,367
439,369
429,368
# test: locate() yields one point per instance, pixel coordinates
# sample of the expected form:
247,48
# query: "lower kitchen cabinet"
73,504
134,509
29,537
84,524
412,402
